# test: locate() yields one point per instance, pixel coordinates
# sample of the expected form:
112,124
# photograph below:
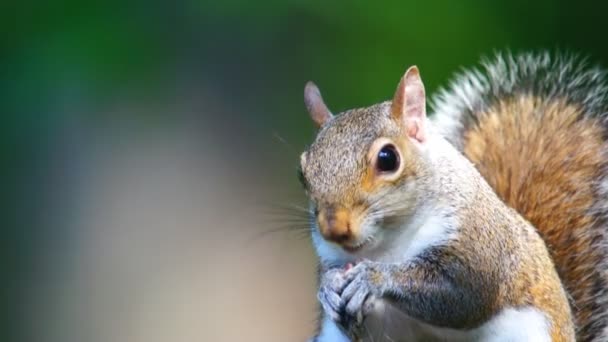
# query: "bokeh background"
150,149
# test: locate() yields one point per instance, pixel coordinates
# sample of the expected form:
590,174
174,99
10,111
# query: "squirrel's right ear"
317,109
409,104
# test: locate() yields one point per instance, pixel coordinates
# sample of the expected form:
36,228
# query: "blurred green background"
147,145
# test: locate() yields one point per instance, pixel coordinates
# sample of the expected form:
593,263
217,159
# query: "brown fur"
518,248
543,159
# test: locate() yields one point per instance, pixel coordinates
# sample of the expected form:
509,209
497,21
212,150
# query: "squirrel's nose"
335,225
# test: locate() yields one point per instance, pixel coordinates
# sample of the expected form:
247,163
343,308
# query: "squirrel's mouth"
355,248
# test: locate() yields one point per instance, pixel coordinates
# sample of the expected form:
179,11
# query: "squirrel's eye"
388,159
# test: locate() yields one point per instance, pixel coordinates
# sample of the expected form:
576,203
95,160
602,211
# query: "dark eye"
388,159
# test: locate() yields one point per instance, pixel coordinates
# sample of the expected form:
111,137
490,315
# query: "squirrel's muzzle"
335,224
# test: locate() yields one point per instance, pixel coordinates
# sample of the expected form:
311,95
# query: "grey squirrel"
486,222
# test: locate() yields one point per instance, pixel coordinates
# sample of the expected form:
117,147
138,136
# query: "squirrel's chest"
389,324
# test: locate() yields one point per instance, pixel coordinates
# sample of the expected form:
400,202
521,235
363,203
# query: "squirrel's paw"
359,294
332,283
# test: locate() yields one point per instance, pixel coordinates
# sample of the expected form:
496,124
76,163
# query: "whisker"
367,330
395,210
287,216
299,232
282,140
385,318
288,209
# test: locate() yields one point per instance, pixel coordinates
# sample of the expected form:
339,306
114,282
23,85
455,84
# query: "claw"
346,295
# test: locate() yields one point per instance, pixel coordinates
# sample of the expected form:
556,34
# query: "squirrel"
485,221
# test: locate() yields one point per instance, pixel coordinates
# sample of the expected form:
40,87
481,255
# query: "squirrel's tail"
536,127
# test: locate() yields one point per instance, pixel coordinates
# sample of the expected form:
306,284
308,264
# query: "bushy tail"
536,126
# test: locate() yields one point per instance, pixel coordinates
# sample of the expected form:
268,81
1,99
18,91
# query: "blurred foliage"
92,52
63,58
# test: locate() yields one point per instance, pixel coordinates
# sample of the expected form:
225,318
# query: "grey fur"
547,76
332,170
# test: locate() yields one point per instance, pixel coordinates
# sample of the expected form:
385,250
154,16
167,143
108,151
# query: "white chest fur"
387,324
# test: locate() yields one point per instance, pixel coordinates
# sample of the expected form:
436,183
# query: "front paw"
332,283
361,290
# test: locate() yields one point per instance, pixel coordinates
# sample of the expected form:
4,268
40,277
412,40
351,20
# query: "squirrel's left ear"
409,104
317,109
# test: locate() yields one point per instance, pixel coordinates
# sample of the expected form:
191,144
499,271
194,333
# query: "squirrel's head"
363,171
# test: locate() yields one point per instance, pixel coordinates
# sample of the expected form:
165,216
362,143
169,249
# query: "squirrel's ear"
409,104
314,103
